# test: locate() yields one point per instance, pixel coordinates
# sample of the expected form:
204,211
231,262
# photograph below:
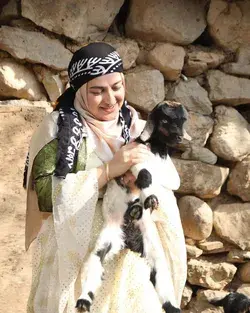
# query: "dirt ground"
16,127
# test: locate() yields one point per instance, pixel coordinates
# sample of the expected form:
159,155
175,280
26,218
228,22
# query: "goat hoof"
169,308
136,212
151,202
83,305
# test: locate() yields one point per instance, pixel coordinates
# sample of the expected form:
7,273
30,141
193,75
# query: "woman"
74,153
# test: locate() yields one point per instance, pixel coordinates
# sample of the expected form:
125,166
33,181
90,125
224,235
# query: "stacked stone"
162,60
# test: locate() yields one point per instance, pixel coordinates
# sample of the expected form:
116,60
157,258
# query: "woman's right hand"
129,155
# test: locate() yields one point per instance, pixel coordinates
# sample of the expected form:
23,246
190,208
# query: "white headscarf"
107,134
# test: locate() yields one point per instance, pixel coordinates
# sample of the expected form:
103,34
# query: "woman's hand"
129,155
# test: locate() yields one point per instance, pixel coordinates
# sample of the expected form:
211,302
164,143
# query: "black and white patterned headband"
95,59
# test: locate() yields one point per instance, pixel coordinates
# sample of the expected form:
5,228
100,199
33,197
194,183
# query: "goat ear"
147,131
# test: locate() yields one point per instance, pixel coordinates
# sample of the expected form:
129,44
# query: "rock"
127,48
16,105
168,59
159,22
228,89
222,198
51,82
50,52
239,180
197,306
190,241
144,87
236,69
210,245
236,217
198,153
214,244
199,59
17,81
230,139
243,55
186,296
199,127
244,273
193,252
79,20
229,22
208,295
245,289
191,95
196,217
10,11
238,256
212,274
200,179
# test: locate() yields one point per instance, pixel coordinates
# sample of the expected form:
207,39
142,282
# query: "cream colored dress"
66,239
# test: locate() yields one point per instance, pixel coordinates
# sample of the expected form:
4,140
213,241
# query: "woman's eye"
116,88
96,93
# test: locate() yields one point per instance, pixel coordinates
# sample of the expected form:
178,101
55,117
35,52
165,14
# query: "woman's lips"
109,109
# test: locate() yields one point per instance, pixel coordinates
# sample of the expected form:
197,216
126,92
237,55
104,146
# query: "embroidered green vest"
43,169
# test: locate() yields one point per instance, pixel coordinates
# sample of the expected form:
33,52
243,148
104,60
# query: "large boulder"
203,180
198,153
177,21
228,89
127,48
232,223
168,59
18,81
50,52
199,127
199,59
196,217
79,20
230,139
191,95
244,273
239,180
212,273
144,87
229,23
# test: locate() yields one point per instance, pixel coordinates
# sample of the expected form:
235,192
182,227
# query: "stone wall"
195,52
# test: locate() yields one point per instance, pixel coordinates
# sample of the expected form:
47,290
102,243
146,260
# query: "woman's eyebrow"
102,87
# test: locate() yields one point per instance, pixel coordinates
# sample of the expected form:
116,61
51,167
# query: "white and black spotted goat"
126,210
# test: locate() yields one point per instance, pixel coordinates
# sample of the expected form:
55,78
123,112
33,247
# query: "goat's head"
166,122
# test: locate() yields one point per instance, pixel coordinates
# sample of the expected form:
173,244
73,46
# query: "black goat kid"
123,206
234,302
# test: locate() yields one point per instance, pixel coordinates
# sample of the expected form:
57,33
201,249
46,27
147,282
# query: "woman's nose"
110,99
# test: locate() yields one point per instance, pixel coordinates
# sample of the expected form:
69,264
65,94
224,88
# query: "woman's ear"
147,131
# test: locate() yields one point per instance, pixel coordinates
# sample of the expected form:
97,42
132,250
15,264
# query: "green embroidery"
43,168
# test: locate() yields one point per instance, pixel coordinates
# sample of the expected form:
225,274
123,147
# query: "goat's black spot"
83,305
169,308
144,179
91,295
152,277
103,252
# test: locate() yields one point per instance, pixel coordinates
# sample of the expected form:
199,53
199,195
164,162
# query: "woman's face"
105,96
